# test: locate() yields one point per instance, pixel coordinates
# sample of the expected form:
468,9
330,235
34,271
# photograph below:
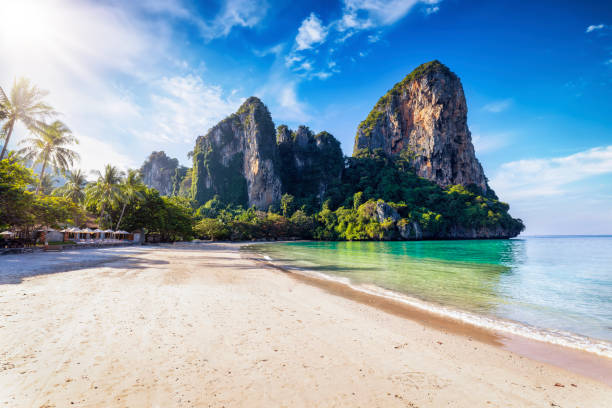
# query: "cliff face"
159,172
310,163
424,118
238,159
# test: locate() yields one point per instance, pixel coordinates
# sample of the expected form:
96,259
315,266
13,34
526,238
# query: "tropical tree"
50,147
106,190
46,184
74,189
24,105
15,199
131,190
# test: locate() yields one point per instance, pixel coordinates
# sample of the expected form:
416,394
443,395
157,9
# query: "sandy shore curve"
204,326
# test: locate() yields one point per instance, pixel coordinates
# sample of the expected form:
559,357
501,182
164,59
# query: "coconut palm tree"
74,189
49,147
46,184
106,190
24,105
130,190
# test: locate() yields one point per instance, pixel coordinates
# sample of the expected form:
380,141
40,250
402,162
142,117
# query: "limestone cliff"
310,163
238,159
160,171
424,118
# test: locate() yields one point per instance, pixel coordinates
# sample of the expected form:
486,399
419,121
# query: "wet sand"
204,326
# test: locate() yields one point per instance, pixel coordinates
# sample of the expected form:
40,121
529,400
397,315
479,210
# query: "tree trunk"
102,214
42,173
8,137
121,216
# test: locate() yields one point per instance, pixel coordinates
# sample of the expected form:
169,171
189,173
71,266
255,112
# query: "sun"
28,23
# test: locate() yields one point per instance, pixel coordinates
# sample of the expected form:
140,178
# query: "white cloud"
490,142
114,75
174,8
592,28
357,16
322,74
184,107
274,50
548,177
560,195
432,10
373,38
234,13
96,153
311,32
364,14
498,106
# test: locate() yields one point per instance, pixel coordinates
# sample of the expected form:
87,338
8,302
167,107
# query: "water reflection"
560,283
464,274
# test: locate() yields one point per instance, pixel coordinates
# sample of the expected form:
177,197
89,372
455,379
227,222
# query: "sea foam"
495,324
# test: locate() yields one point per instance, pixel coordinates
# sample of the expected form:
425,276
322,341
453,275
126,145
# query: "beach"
206,325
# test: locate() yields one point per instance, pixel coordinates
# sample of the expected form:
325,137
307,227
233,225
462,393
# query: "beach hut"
122,234
108,234
97,233
74,232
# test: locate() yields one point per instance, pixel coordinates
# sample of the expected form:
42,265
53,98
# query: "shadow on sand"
15,268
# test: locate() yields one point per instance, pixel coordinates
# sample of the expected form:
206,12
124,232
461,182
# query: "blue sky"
132,77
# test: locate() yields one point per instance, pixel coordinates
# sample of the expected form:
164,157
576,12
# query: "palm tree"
74,189
46,184
130,189
25,105
50,147
106,190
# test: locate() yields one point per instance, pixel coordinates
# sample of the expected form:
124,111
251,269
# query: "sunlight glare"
27,23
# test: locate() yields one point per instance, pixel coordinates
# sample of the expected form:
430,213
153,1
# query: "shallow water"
561,284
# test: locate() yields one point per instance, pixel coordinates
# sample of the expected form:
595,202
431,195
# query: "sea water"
555,289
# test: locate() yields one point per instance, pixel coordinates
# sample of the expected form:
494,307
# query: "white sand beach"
204,326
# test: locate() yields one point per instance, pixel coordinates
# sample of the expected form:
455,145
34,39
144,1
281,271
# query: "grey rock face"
158,172
237,159
310,163
384,211
409,230
424,118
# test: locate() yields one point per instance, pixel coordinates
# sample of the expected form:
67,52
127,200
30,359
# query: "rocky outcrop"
310,163
409,230
160,171
238,159
424,119
385,212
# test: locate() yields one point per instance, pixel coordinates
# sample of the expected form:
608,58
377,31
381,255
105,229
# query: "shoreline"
201,325
577,360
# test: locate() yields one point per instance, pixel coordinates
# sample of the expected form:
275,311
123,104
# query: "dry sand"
203,326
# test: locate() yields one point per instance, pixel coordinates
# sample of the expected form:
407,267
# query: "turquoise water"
561,286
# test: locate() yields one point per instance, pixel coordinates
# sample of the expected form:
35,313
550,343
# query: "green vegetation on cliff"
377,198
211,177
310,165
